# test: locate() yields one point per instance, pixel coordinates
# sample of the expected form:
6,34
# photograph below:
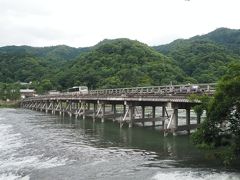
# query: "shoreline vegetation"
220,131
9,104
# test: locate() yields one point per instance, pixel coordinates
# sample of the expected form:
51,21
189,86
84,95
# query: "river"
35,145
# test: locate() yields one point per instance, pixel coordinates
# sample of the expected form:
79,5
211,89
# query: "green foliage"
23,63
221,129
121,63
204,99
206,57
9,91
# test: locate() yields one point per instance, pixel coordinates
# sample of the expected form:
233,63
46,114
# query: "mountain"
60,52
230,38
25,63
120,63
205,57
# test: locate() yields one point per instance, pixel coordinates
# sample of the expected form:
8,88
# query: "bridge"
154,105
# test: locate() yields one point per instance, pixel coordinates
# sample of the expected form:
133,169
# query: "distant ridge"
205,57
123,62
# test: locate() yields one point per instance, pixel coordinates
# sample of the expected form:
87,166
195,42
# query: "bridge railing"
170,89
140,91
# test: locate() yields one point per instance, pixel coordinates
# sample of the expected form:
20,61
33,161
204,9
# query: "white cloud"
84,23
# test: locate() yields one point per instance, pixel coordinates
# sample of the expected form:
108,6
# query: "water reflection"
178,149
109,134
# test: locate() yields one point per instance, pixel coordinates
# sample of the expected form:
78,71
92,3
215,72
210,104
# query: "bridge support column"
94,111
103,112
88,106
60,108
64,104
46,107
84,110
114,111
70,109
124,109
175,121
143,114
131,115
188,120
76,109
153,114
40,106
53,107
163,115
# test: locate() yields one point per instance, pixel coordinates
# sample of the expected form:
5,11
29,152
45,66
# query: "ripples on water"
34,145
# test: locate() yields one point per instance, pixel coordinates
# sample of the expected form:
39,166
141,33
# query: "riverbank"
9,104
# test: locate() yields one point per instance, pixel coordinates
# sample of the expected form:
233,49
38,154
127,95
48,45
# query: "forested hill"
205,57
121,63
60,52
25,63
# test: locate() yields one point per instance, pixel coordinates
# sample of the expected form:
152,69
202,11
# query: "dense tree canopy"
205,57
9,91
121,63
221,128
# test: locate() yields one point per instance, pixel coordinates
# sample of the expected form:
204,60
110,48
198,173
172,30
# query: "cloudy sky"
82,23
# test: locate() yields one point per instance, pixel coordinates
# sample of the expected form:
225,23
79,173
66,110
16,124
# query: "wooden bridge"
155,105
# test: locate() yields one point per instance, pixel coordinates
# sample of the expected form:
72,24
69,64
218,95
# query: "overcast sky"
82,23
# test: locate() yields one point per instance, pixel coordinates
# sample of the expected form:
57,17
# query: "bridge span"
155,105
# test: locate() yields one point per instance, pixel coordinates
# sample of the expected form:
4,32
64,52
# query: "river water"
35,145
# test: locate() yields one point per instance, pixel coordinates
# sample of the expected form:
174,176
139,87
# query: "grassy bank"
9,104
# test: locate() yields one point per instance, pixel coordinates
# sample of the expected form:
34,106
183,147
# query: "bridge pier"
153,115
76,108
124,108
53,107
163,116
94,111
46,109
143,114
60,107
88,106
70,108
84,110
131,115
103,112
175,121
114,110
188,120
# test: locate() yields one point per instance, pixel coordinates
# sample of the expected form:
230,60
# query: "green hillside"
25,63
205,58
121,63
60,52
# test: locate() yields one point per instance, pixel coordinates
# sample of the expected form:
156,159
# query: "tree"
45,85
9,91
221,129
